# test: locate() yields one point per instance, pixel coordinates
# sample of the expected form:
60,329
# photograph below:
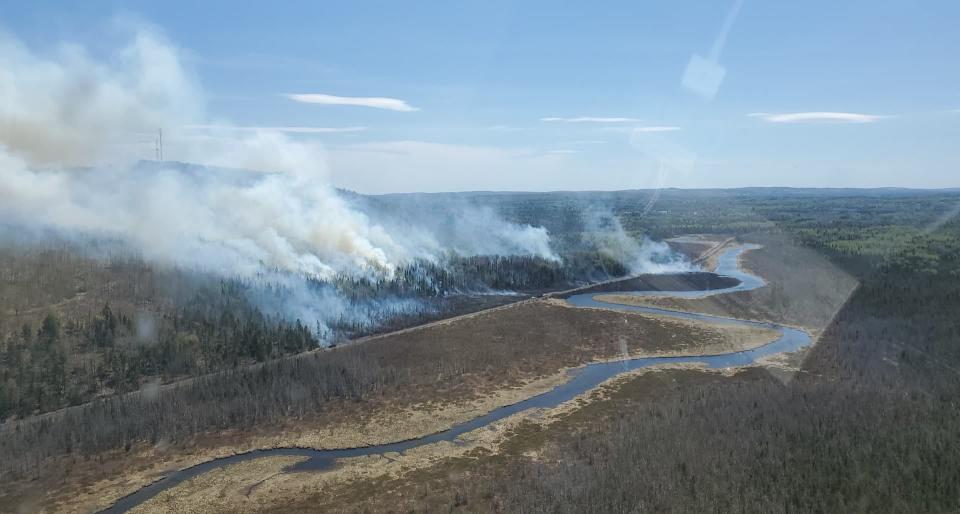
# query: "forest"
868,425
85,327
871,418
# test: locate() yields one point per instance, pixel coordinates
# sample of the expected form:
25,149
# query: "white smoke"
446,226
71,125
66,110
605,232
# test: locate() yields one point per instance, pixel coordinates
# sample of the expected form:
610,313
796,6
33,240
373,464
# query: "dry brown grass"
247,487
723,339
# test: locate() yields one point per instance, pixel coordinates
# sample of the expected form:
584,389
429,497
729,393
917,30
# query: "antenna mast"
160,146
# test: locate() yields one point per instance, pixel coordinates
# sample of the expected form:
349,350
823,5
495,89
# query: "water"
581,380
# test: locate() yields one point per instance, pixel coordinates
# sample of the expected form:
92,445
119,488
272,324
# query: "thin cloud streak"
656,129
817,116
390,104
590,119
639,129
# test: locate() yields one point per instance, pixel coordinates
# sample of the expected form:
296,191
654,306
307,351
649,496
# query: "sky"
488,95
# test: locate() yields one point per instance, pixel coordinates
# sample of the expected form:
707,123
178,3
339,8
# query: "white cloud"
561,151
640,129
802,117
661,128
390,104
288,130
591,119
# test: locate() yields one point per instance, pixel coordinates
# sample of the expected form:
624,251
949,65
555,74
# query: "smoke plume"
73,131
604,231
69,124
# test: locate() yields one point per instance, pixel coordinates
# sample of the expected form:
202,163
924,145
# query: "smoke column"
71,125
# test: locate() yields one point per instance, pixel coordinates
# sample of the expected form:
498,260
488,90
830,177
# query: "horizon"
947,189
494,96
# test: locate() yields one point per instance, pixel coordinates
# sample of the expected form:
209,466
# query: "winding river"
581,380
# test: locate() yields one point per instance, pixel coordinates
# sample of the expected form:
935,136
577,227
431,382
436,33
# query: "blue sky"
857,93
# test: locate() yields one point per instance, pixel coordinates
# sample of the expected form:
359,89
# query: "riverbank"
591,376
533,342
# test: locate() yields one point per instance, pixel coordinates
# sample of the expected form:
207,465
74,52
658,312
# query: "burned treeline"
123,321
479,274
693,281
163,324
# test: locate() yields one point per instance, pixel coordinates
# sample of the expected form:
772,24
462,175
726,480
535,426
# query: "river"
581,380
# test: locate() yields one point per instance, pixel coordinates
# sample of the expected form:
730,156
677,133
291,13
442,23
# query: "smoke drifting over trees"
72,125
67,110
